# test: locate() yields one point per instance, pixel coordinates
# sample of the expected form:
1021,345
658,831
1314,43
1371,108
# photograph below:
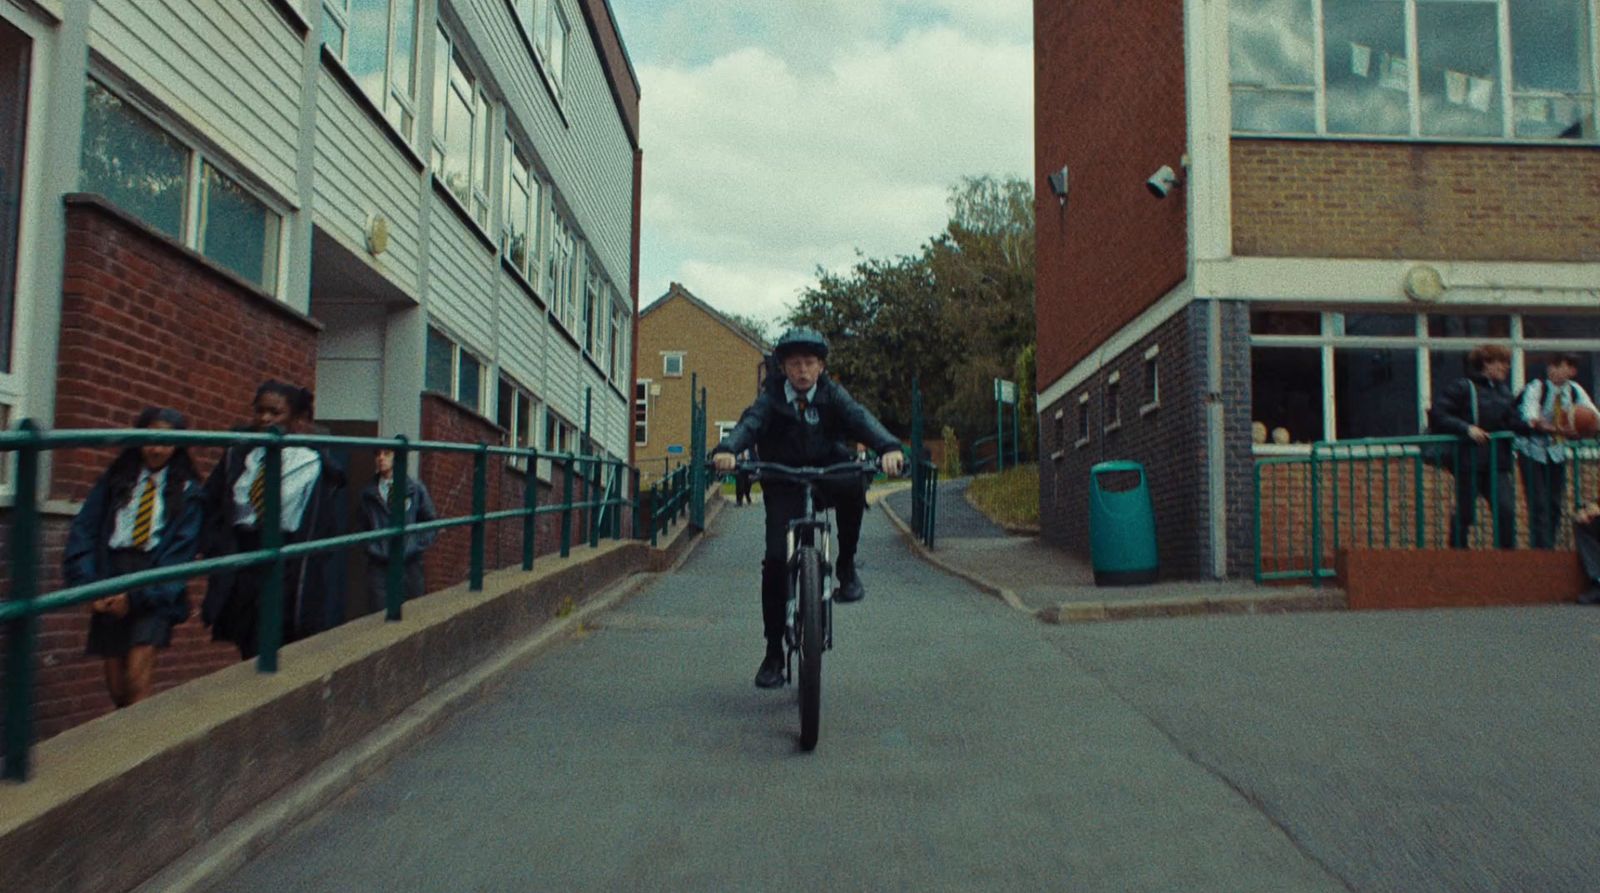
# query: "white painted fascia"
1345,281
1118,344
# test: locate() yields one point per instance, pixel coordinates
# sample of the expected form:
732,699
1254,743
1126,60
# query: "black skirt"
111,636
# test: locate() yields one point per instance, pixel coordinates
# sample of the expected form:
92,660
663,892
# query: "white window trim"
13,384
638,403
1504,88
200,154
1085,434
667,356
479,206
1113,402
1152,364
336,9
519,424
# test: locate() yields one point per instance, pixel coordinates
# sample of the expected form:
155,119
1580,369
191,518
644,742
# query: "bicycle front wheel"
808,588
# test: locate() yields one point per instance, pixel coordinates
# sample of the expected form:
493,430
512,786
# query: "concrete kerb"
343,705
1089,611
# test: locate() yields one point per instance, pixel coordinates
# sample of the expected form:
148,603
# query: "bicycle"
809,559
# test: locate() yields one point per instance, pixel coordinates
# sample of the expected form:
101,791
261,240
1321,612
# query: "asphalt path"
963,746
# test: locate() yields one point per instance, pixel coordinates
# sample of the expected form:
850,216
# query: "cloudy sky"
780,135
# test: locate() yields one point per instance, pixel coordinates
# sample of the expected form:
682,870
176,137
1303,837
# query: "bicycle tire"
809,590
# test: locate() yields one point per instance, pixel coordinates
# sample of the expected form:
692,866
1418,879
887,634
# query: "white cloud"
824,126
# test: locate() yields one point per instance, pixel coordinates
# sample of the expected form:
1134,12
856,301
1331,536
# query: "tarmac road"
966,746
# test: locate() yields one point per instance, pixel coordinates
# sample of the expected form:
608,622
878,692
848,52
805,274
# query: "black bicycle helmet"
801,338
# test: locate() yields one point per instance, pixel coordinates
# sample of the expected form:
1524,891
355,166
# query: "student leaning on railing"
1474,407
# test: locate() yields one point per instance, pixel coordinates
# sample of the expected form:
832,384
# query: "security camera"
1162,182
1058,183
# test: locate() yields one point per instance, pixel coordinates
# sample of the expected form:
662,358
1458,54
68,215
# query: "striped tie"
258,491
144,518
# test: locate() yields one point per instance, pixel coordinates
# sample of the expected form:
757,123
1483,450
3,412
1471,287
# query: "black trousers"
1472,483
1587,538
1546,484
784,503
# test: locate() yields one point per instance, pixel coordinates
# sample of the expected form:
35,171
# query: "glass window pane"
558,44
131,162
369,46
402,58
470,381
1458,45
458,147
1550,57
524,420
1286,393
441,84
1367,66
1567,327
1274,111
333,35
541,24
1380,325
15,55
1449,326
1446,367
1375,392
440,363
237,231
505,411
1285,322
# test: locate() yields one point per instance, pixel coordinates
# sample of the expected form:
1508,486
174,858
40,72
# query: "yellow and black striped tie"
145,517
258,491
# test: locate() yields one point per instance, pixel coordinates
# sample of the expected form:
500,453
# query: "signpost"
1005,393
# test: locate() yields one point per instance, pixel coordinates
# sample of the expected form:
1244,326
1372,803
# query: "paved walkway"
1058,587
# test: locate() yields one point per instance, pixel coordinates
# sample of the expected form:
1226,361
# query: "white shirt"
122,530
789,393
301,468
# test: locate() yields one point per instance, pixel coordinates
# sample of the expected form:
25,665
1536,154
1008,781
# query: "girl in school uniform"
144,512
312,507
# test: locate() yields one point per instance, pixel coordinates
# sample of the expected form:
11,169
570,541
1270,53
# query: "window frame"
520,434
1506,92
481,108
195,194
1113,402
517,159
1085,433
641,411
395,101
667,356
456,352
1152,381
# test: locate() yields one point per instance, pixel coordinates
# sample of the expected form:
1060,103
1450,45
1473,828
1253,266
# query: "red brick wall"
1299,198
449,479
1109,103
144,322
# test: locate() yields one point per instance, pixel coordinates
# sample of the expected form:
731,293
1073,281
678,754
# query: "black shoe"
771,673
850,590
1591,596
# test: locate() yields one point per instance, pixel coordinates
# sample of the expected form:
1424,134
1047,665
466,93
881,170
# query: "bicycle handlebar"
806,473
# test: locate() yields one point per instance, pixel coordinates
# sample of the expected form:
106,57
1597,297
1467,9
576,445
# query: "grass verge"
1010,497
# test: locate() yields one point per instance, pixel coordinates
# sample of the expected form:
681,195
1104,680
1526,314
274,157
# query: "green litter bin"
1122,527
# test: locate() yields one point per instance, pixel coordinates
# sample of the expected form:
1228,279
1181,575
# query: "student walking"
375,516
1547,405
311,506
144,512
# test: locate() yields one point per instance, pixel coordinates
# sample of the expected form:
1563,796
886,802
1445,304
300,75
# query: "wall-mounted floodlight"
1058,184
1163,181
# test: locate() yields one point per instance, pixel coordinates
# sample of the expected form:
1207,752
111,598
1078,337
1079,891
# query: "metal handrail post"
395,584
530,505
595,499
480,507
566,505
21,633
655,513
638,505
270,633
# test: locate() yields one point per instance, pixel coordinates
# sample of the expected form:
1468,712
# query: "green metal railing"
1397,493
924,477
19,613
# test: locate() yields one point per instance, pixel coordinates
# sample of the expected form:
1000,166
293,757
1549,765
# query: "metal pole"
21,632
530,504
594,498
1016,430
270,633
999,431
480,507
395,584
566,506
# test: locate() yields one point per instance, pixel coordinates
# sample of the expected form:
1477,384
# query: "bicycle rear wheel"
808,588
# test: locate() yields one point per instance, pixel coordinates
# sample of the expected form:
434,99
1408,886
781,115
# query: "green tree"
755,328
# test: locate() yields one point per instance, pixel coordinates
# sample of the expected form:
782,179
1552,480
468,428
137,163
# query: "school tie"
258,491
145,516
800,405
1563,411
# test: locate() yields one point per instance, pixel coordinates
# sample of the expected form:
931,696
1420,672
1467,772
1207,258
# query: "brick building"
680,338
426,210
1358,194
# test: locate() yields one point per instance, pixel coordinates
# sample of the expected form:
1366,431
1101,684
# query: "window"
1059,430
514,412
520,240
621,345
1083,420
562,275
614,345
1448,69
453,371
559,437
1286,394
1114,402
672,364
545,24
461,128
377,42
591,306
1152,381
176,190
641,412
15,61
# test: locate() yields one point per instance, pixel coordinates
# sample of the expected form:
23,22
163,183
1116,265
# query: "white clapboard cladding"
461,279
230,70
581,146
359,173
564,377
523,330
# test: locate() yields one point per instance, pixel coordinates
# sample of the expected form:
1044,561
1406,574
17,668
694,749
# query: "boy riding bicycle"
801,418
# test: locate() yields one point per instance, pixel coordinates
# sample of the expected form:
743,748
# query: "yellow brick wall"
1307,198
727,366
